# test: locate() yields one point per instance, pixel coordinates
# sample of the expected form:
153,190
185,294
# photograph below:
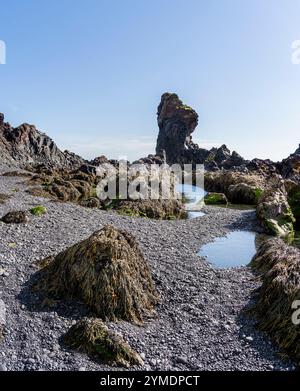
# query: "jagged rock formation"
290,167
93,337
25,145
177,122
108,273
279,264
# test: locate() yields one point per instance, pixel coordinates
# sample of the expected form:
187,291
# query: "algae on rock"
93,337
279,264
107,272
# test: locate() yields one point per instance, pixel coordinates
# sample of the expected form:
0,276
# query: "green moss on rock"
215,199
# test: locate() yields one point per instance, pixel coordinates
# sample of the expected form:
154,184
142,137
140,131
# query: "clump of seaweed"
93,337
4,198
107,272
280,265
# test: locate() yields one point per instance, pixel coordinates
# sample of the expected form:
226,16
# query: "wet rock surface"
199,324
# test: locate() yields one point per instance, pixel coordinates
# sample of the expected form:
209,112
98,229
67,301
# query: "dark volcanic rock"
290,167
25,145
177,122
15,217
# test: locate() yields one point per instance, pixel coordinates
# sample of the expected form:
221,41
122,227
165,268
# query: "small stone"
82,369
250,339
3,368
182,360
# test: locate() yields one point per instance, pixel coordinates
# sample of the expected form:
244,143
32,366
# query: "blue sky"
90,73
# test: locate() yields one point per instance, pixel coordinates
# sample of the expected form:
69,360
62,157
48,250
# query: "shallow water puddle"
235,249
194,199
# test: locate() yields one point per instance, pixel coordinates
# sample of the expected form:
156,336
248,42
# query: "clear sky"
90,73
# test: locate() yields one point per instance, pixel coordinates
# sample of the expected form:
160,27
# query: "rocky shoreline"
199,325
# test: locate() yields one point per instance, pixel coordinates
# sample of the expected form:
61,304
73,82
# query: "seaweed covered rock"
108,273
243,193
215,199
280,265
239,187
294,200
4,198
15,217
154,209
274,212
93,337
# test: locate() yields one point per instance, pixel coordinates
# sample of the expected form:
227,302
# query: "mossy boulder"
279,264
108,273
220,181
274,212
15,217
243,193
93,337
215,199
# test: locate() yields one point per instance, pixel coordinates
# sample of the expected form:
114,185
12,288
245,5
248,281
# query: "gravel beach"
199,323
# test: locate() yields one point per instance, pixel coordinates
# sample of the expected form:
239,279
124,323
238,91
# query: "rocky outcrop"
25,145
177,122
275,308
108,273
93,337
274,211
243,193
239,187
290,167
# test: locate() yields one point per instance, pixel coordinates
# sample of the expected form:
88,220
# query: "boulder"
93,337
107,272
215,199
243,193
274,212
